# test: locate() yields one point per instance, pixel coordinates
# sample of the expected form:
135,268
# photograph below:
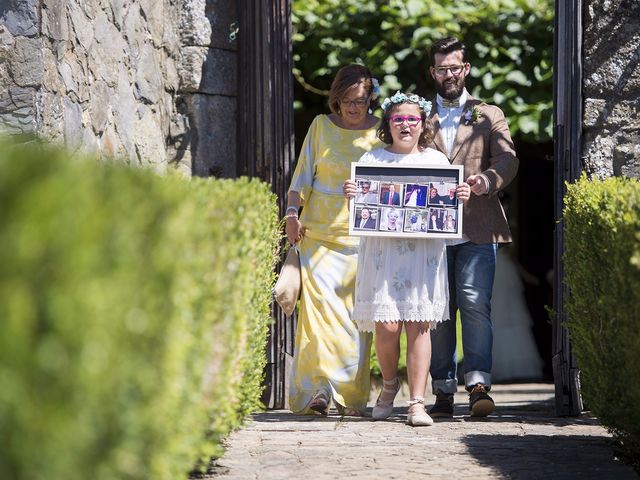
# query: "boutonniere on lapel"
472,115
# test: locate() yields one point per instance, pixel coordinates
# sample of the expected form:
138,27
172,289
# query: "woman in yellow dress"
331,357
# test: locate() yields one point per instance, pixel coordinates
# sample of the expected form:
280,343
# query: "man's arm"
503,163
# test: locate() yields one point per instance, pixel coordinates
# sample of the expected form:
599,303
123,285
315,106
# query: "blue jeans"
471,268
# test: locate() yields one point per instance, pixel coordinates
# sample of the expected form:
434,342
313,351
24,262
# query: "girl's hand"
349,188
463,191
294,230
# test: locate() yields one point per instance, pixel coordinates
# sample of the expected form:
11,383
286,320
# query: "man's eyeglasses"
398,120
454,69
358,102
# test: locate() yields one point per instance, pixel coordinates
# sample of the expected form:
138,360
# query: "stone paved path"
522,440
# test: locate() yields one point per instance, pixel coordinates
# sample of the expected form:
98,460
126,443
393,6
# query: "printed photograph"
366,218
392,219
436,220
390,193
415,220
415,195
450,220
441,193
367,191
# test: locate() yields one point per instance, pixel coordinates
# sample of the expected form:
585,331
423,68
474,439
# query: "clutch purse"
287,288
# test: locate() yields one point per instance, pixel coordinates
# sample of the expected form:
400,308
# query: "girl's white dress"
401,279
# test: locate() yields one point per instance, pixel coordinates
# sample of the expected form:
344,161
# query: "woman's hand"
294,229
463,191
349,188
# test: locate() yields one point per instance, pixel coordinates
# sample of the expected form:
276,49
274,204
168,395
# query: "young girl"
402,282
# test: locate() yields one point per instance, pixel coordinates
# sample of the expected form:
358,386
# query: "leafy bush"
602,224
510,44
134,315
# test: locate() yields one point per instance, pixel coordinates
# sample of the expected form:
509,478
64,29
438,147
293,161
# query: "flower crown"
375,91
400,97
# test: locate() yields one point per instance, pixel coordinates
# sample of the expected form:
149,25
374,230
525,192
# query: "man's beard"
451,92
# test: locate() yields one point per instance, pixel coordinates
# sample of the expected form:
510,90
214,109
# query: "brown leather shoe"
480,403
443,408
320,402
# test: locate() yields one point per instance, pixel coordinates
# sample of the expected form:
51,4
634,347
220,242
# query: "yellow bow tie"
451,103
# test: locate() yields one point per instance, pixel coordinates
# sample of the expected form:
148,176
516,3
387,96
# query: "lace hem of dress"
366,315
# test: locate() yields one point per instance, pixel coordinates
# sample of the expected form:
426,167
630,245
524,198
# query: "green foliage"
510,44
602,224
134,315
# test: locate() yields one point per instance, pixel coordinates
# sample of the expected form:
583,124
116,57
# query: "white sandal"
420,417
383,408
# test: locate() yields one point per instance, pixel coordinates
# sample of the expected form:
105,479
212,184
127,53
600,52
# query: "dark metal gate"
567,150
266,142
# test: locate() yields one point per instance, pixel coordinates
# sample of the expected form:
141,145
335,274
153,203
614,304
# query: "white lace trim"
366,315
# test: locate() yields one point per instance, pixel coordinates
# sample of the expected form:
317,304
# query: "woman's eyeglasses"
399,120
454,69
358,102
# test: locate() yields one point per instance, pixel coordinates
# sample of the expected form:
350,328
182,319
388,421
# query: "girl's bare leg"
418,356
388,347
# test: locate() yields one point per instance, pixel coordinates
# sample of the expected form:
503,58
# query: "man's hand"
478,184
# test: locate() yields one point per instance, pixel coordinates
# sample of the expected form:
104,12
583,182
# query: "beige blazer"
483,146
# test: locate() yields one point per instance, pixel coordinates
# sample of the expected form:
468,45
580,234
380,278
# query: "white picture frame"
406,201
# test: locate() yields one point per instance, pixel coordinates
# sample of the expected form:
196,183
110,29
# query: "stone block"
20,17
214,133
51,80
68,78
224,23
626,155
149,138
110,144
124,106
82,26
594,109
154,12
171,79
73,133
102,66
110,38
598,147
6,40
208,70
52,114
18,110
100,106
195,27
118,12
148,81
25,62
55,23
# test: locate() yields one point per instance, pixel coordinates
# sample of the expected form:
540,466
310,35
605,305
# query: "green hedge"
134,315
602,224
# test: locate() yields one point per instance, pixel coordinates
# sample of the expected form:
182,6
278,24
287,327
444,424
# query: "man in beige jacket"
476,135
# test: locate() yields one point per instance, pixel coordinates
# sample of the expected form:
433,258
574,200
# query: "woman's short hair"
348,77
426,137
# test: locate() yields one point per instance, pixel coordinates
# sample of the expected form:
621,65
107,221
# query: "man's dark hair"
445,46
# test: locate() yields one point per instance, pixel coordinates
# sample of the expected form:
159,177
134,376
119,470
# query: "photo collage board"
406,201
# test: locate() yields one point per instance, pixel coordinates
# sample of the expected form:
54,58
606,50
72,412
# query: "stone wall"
611,87
150,81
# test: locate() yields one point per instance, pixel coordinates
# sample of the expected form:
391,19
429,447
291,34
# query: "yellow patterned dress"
330,353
